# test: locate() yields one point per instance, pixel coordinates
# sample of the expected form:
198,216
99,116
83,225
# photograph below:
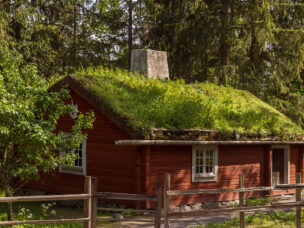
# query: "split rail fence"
90,197
241,209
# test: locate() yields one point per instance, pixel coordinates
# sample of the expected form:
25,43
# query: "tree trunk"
204,64
9,207
5,183
254,51
130,37
254,48
224,36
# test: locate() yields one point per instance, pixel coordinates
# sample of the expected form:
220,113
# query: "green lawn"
35,210
273,219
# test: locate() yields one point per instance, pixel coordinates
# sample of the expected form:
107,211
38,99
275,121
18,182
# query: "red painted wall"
115,167
232,160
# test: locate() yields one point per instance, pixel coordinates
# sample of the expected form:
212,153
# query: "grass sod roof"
148,104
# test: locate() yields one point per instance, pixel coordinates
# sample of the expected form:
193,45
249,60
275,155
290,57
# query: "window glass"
204,161
78,153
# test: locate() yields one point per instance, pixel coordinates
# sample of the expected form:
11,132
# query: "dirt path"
181,222
177,222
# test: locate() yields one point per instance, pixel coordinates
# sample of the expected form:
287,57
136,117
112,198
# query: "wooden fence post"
88,203
241,199
94,203
157,215
298,198
166,200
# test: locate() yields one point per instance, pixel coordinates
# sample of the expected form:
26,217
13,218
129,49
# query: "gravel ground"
180,222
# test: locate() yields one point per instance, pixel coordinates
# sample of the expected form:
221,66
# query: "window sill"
212,178
72,170
205,176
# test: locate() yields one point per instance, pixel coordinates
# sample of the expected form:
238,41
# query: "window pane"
78,153
197,153
204,161
209,161
209,169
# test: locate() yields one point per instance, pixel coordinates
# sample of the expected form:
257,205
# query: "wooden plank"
44,198
124,196
94,203
301,161
166,200
139,219
289,186
241,199
223,176
237,209
230,170
268,166
139,142
157,215
10,223
88,202
147,158
298,198
125,210
218,191
139,176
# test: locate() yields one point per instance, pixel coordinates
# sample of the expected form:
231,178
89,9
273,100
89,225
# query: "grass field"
273,219
46,210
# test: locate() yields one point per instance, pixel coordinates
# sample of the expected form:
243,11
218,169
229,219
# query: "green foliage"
148,104
260,201
34,211
29,114
252,45
269,219
81,33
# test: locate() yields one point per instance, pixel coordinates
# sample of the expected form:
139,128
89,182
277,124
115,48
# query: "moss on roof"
148,104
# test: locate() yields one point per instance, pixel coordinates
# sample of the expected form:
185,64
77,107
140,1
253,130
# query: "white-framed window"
79,165
204,163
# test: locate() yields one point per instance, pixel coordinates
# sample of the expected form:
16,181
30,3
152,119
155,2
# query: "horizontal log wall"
115,167
251,160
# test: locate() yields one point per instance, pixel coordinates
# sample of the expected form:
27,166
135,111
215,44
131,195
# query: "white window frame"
286,162
76,169
205,177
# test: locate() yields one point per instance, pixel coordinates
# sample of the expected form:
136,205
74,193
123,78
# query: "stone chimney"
152,64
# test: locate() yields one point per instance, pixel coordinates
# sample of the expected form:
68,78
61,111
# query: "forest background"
255,45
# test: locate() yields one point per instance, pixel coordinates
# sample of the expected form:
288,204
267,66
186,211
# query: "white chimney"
152,64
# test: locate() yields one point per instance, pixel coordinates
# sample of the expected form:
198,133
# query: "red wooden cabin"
122,162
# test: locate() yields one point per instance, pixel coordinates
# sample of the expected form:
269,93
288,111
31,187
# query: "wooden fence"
88,206
125,196
241,209
90,198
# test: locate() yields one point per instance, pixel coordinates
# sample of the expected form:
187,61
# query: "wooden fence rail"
90,197
136,197
241,209
87,197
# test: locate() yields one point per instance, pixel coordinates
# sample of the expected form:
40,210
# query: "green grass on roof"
148,104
